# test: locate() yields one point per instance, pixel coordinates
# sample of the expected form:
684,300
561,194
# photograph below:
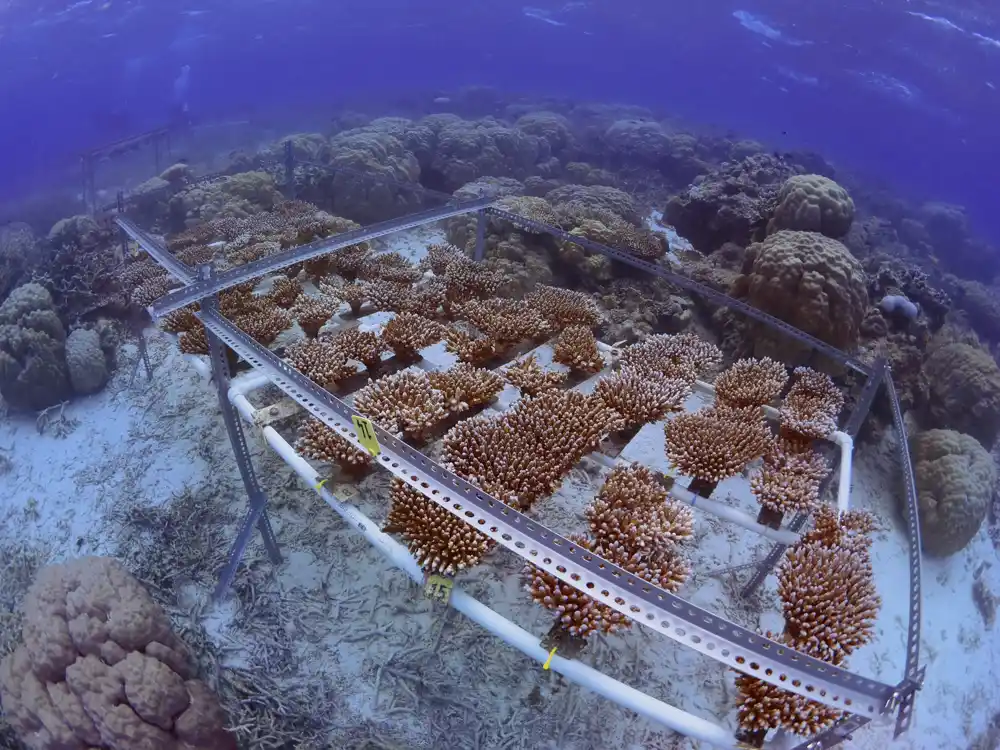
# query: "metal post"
290,169
852,427
257,512
480,251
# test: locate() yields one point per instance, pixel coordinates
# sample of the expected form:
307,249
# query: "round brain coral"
813,203
809,281
100,669
964,391
955,477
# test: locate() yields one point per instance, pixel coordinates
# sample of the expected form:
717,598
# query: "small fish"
442,100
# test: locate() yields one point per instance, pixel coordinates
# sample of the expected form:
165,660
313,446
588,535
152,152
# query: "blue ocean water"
904,91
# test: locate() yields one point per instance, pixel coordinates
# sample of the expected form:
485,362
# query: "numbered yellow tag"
366,435
438,588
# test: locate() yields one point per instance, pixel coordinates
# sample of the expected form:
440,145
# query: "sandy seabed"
333,648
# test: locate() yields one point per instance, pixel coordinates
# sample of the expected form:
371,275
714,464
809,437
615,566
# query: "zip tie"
548,662
319,485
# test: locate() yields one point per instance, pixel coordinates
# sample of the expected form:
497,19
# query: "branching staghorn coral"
440,256
284,292
830,606
320,443
100,668
751,382
407,333
389,266
466,387
634,511
530,378
576,348
321,362
474,350
151,290
788,481
713,444
641,398
681,355
812,406
506,321
349,292
194,341
347,261
403,403
465,280
311,314
362,346
523,455
180,321
441,543
564,307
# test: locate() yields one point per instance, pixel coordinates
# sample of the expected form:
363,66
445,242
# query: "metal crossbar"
633,597
200,289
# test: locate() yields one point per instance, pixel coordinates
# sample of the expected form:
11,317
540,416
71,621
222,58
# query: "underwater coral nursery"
296,267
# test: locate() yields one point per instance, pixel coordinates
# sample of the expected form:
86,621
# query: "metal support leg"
853,426
290,169
480,251
142,359
257,512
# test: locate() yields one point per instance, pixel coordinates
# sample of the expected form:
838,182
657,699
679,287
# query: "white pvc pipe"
655,710
846,445
733,515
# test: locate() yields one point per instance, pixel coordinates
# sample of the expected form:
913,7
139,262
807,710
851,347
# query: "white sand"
406,671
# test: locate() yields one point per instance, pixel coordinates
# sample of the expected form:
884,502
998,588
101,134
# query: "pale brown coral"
403,403
152,289
675,356
788,480
564,307
634,511
530,378
389,266
713,444
506,321
440,256
194,341
311,314
579,614
576,348
475,350
641,398
284,291
263,323
407,333
101,668
523,455
347,261
442,543
320,443
751,382
321,362
465,280
813,404
466,387
351,293
362,346
180,321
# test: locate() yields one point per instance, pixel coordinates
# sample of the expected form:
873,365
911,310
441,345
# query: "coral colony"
555,352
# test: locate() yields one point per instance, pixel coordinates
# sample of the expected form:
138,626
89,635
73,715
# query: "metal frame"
160,139
861,698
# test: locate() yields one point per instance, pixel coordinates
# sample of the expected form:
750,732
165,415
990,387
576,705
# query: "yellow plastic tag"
548,662
438,588
321,482
366,435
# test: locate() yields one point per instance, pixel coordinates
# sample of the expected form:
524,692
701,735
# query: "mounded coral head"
813,203
101,669
810,281
963,391
955,476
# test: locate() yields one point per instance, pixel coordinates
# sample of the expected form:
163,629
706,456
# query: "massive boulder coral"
955,477
963,391
729,204
33,373
810,281
813,203
236,196
469,150
86,361
100,669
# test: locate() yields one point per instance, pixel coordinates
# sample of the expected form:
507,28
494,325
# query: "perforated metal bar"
686,283
157,252
853,425
913,676
203,288
635,598
257,511
842,731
